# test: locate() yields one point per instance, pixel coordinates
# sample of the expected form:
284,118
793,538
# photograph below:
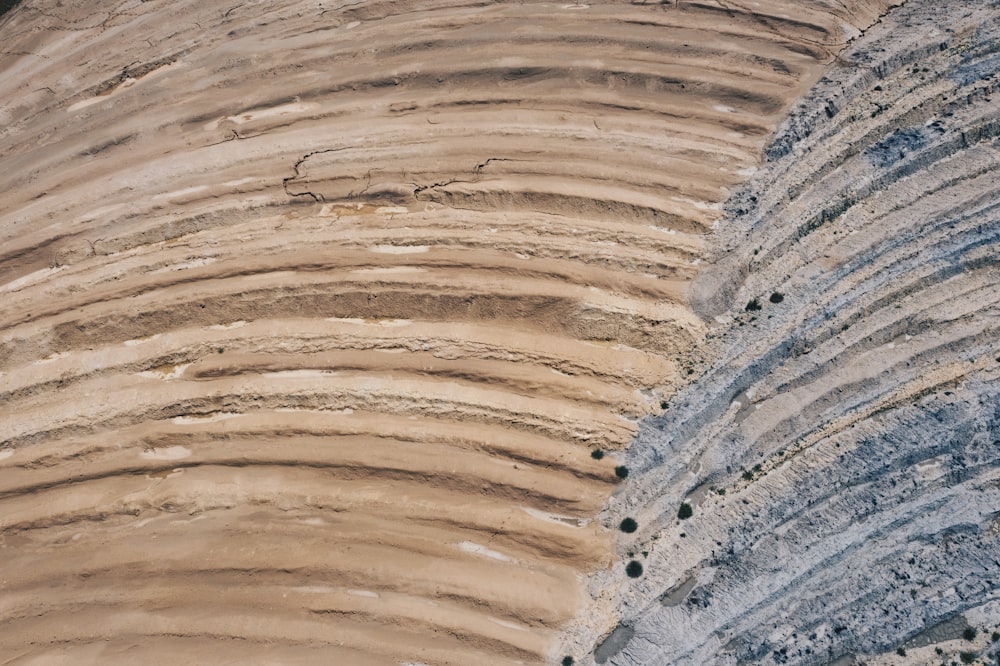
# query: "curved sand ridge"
312,315
841,453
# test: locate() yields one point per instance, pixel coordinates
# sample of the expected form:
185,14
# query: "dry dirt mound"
312,314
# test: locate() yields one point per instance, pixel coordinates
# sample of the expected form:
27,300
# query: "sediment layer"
312,315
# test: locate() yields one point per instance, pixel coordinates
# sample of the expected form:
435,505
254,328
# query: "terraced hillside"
841,454
313,315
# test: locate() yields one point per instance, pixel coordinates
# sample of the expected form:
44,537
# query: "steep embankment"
842,457
313,314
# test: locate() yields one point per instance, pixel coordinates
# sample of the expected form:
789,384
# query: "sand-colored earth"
312,314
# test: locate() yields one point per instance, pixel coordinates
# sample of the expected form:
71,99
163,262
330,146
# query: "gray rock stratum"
842,454
312,315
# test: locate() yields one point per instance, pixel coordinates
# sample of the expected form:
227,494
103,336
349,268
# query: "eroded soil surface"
313,315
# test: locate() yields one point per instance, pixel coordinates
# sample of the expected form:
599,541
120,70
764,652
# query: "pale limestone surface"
869,396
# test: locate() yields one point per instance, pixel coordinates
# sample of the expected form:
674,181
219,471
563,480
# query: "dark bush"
901,652
777,297
753,305
967,657
621,472
628,526
969,634
597,454
568,661
685,511
747,475
995,636
633,569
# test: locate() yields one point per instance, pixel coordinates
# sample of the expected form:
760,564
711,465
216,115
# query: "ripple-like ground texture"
324,327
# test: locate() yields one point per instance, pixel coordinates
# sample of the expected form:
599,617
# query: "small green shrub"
995,636
633,569
777,297
628,526
747,475
967,657
901,651
568,661
969,634
685,511
753,305
597,454
621,472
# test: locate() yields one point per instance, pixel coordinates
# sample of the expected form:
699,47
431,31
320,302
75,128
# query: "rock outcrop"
841,455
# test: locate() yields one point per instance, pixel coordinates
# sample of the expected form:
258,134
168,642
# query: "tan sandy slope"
313,313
